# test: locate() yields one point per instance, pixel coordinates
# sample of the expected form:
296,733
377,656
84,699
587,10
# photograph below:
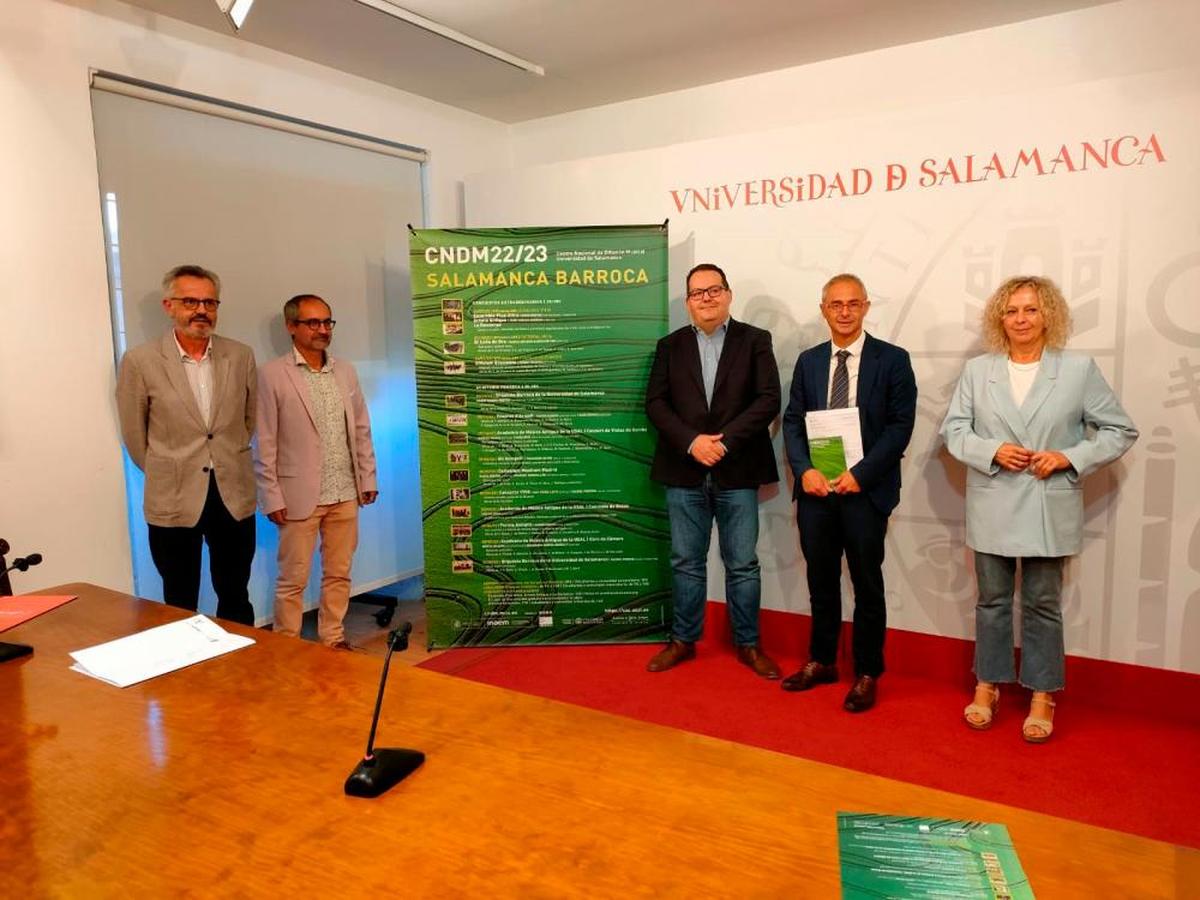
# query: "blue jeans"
1043,661
691,511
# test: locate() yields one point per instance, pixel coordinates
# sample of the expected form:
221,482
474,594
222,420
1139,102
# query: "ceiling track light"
449,34
235,11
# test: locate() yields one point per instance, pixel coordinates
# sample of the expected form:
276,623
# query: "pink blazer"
287,463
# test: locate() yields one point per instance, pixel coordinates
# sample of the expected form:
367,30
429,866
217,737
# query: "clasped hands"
707,449
814,483
1040,463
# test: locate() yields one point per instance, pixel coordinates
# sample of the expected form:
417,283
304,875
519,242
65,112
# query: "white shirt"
1021,376
200,380
852,362
200,377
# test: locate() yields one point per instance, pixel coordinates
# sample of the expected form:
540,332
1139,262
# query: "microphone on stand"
382,769
5,584
21,564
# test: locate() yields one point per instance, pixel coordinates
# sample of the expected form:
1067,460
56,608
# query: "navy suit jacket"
746,399
887,409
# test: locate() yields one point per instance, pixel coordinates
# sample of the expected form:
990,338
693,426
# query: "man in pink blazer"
315,466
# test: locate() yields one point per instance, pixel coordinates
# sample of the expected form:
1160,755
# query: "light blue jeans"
691,512
1042,655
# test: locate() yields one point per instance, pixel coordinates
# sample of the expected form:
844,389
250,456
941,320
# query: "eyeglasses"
837,307
712,293
314,324
194,303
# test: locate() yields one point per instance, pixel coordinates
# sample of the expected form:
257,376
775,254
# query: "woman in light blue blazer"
1029,421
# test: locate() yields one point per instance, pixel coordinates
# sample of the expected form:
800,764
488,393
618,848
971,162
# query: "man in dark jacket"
713,392
847,514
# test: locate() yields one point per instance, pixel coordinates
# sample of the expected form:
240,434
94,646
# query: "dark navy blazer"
887,409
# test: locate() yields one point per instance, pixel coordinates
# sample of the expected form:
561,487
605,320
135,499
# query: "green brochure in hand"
828,455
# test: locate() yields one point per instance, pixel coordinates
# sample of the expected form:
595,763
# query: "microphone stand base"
13,651
383,770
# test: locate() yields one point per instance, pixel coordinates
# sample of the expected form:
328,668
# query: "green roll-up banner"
533,347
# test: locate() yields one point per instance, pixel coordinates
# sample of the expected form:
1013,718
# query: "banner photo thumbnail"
533,348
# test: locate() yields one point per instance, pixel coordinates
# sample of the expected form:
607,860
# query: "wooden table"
226,779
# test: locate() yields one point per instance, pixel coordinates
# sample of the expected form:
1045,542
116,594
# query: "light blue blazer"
1070,408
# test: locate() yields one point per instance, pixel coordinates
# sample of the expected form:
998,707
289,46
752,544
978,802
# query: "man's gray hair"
291,309
189,271
845,276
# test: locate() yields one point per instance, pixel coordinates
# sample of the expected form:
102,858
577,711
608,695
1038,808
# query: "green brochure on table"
828,455
908,857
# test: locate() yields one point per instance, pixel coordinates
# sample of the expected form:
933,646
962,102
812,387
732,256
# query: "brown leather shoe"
810,676
342,645
671,655
752,655
862,695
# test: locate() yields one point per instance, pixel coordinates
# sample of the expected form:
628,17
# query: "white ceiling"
594,51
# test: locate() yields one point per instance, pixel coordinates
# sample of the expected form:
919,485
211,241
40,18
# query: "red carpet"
1104,765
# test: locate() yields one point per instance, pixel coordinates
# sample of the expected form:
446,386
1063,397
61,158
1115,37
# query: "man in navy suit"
713,392
848,514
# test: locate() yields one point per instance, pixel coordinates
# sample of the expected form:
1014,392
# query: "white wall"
61,484
1124,243
1012,60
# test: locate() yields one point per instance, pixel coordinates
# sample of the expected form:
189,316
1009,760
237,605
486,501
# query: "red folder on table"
16,610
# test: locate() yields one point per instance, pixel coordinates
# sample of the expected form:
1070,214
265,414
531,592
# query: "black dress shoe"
862,695
763,666
671,655
810,676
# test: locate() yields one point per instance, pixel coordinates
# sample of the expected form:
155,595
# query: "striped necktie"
839,396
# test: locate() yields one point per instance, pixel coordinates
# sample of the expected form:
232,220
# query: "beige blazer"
169,441
288,461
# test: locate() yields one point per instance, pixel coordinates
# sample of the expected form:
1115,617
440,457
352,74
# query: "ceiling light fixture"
235,11
450,34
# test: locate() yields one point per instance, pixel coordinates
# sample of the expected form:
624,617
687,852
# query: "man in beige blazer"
186,405
315,466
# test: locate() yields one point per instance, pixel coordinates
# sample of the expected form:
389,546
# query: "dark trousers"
176,554
829,527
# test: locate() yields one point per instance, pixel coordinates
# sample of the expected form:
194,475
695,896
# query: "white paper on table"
843,423
156,651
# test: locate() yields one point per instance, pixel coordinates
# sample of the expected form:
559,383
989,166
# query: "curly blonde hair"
1055,312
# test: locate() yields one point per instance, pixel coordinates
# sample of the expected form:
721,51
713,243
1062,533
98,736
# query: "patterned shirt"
337,471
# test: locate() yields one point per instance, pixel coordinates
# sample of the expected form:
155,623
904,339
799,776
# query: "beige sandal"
1037,729
979,715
